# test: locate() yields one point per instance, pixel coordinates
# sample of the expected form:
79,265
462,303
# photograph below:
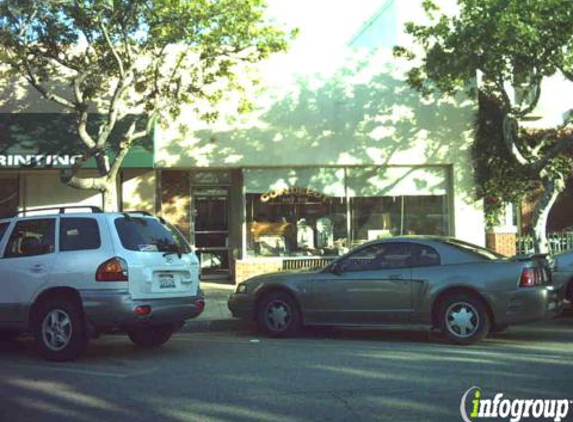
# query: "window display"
326,211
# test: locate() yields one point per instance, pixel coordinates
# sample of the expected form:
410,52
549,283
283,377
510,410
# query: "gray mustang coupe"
464,290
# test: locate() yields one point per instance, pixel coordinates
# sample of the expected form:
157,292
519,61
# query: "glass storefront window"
296,212
324,212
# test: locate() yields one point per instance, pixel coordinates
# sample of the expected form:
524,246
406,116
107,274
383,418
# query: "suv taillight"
114,269
529,277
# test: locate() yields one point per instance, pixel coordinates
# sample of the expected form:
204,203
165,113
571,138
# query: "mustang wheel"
152,336
60,329
463,319
278,315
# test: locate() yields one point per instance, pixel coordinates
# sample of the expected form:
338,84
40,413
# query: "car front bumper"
113,308
242,305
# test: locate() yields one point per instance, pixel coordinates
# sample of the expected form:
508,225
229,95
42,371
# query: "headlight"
241,288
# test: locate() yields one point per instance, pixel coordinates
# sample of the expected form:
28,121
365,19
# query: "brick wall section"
248,268
175,200
503,243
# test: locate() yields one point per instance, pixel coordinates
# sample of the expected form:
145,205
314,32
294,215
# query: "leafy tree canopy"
505,49
142,57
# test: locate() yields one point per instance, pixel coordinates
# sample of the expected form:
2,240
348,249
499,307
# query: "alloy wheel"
278,315
462,319
56,330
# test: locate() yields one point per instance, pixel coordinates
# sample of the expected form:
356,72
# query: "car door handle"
38,268
395,277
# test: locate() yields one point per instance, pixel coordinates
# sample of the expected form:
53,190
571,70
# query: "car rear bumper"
242,305
113,308
529,304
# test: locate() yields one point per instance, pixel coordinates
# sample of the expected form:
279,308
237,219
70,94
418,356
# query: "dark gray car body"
406,295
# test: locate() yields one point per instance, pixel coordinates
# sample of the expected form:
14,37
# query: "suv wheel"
151,336
60,329
463,319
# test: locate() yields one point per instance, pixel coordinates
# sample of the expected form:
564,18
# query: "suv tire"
463,319
151,336
60,329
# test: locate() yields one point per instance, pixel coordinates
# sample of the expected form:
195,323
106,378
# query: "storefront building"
337,150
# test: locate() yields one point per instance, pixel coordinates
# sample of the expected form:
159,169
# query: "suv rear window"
148,235
79,234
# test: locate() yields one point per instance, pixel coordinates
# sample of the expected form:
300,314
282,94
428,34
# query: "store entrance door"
210,230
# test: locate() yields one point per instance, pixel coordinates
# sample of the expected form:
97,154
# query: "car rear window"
474,250
147,235
79,234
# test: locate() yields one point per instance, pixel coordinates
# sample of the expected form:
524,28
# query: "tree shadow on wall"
347,119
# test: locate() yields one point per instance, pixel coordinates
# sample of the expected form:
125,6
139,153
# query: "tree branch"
510,129
111,47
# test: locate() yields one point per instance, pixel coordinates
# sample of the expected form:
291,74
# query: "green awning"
50,140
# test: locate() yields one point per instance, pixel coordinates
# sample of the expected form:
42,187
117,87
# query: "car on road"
462,289
70,276
563,274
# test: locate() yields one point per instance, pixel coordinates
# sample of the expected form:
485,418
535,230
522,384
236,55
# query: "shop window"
397,201
296,212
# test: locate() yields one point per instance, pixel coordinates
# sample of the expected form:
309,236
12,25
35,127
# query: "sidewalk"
216,316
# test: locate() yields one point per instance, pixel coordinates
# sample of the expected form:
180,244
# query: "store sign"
294,195
39,161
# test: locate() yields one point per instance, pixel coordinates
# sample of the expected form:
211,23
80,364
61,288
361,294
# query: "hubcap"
462,319
57,330
278,315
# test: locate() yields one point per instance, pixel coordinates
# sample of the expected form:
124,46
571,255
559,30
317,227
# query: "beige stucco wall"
138,190
327,103
40,189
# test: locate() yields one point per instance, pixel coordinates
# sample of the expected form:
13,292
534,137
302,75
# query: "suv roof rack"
62,210
147,213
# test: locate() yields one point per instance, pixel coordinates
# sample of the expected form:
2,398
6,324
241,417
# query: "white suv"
67,277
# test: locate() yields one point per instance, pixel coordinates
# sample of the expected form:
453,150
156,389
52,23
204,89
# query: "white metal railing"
558,242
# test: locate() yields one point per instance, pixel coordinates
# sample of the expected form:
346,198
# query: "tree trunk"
106,185
110,197
552,187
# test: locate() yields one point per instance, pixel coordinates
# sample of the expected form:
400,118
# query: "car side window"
379,257
426,256
31,237
3,228
79,234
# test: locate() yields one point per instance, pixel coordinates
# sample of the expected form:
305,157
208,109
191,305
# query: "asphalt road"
322,376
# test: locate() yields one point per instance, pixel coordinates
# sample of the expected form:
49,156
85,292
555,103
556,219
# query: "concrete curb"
216,325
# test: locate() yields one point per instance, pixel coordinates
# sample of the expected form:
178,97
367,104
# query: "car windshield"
149,235
474,249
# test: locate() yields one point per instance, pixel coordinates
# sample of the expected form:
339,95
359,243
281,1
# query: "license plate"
167,281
